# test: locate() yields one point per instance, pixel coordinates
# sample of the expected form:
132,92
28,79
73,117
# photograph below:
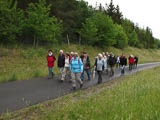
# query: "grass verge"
133,97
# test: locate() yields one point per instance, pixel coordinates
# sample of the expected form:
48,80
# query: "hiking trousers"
99,77
75,78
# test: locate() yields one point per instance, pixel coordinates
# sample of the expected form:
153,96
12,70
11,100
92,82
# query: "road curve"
20,94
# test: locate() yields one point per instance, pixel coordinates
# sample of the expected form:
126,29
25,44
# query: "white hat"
72,53
75,53
100,55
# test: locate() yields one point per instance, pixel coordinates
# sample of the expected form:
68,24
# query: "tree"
89,32
118,15
110,9
105,29
121,37
40,25
129,29
11,21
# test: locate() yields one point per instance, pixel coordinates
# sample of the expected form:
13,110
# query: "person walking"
61,63
76,67
66,66
135,61
98,66
104,58
123,63
111,63
131,62
50,60
118,62
86,66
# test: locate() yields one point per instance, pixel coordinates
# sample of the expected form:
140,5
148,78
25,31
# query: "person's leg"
99,77
82,76
73,80
61,71
88,73
78,75
112,70
136,64
129,67
50,72
64,73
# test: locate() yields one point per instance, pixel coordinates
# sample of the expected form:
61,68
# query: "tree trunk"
79,40
68,40
37,43
34,42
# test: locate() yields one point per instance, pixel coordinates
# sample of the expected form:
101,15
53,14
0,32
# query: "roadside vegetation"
132,97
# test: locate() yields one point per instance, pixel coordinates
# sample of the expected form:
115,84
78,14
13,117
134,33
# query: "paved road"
20,94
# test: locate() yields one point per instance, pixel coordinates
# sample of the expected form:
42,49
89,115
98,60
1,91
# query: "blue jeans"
123,69
88,74
50,72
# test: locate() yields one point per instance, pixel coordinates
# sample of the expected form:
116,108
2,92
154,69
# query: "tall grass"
134,97
29,62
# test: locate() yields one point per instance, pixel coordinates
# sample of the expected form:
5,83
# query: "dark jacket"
111,61
136,59
61,60
87,62
123,61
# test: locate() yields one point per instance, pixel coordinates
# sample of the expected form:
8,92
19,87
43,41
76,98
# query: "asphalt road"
20,94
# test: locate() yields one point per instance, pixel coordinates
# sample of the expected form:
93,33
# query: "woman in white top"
66,66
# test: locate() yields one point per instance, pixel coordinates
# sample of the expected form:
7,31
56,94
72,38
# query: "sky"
144,12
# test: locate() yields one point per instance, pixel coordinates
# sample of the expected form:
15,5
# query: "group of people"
75,66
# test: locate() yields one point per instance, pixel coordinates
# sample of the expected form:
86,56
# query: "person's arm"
126,62
95,64
58,61
81,65
54,58
88,63
70,65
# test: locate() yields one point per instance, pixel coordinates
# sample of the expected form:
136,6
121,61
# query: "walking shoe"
61,81
81,85
73,88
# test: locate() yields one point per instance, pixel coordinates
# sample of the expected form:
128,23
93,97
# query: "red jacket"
50,60
70,57
131,60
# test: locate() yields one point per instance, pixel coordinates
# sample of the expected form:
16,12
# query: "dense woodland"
43,22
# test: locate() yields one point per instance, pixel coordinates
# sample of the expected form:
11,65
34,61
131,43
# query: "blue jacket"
76,65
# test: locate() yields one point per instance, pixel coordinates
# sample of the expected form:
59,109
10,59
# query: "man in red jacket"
50,59
131,62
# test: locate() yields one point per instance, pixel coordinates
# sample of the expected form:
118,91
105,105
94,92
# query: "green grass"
22,63
133,97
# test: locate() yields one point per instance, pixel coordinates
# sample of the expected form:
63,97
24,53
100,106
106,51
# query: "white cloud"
143,12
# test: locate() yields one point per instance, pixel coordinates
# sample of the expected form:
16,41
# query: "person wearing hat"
131,62
104,57
71,55
61,63
76,67
66,66
123,63
111,63
50,60
135,61
98,66
86,66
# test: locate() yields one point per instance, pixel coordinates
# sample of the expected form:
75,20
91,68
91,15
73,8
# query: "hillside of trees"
43,22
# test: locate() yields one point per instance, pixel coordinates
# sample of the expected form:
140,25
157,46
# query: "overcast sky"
144,12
